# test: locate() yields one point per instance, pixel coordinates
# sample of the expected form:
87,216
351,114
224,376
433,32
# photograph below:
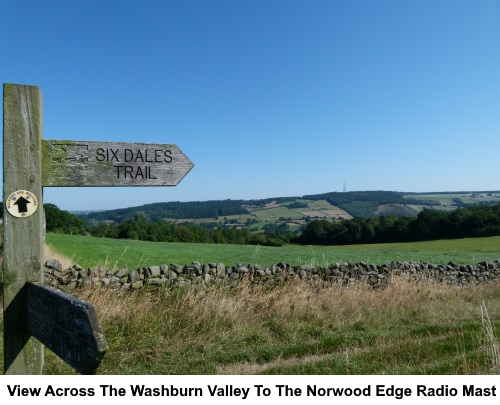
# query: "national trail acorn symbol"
21,204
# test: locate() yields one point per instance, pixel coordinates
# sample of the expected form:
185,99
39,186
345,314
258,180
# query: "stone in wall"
175,275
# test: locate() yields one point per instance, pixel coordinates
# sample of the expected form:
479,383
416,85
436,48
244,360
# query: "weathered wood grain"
22,241
66,325
119,164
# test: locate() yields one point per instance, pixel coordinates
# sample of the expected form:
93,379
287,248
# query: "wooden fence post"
23,234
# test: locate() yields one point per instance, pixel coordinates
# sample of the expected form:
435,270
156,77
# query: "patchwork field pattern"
275,212
314,209
450,201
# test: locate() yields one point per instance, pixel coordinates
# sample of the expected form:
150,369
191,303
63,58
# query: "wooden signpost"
82,163
65,324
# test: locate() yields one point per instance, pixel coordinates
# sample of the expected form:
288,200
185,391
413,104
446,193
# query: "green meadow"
111,253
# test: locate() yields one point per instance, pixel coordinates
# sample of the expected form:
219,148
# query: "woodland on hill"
475,221
356,203
154,222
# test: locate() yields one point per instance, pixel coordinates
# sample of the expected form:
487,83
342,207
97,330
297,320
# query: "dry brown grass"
293,301
254,329
222,318
490,341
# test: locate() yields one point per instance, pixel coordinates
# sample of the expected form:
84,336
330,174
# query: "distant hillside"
294,213
174,210
370,203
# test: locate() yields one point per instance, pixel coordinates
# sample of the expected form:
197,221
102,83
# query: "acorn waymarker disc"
21,204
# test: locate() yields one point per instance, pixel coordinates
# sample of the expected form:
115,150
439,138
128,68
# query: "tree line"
174,210
475,221
60,221
356,203
141,228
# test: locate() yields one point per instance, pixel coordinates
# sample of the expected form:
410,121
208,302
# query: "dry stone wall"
175,275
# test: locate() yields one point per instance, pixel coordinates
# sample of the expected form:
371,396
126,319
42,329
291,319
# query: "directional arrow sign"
66,325
94,164
17,203
22,204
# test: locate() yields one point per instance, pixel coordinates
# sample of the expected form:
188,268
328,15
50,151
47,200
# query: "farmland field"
446,199
276,212
316,214
419,208
88,251
322,205
314,209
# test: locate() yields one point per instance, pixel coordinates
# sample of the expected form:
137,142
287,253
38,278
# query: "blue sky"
269,98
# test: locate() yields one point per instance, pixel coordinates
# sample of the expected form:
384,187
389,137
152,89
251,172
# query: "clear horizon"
269,98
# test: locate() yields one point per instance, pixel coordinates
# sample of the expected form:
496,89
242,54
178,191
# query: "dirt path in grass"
253,368
49,253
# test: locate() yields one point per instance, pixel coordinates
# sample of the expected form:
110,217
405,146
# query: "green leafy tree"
60,221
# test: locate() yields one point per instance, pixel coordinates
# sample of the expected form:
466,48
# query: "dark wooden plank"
22,237
95,164
66,325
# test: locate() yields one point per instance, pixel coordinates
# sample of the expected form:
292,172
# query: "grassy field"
294,328
88,252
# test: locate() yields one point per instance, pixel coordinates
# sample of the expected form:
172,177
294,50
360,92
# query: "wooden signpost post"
65,324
